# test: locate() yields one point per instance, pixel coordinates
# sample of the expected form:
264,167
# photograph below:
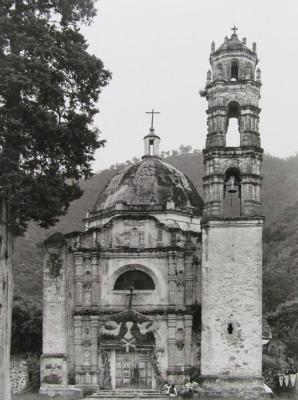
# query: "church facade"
162,286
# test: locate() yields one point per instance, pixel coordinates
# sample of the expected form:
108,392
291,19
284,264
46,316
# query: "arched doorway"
133,370
127,338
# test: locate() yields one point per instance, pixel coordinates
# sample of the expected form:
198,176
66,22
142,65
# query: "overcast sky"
158,52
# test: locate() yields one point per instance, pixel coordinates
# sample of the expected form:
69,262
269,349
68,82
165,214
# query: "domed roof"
150,182
233,43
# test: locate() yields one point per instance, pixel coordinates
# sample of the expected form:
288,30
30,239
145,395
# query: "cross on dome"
152,117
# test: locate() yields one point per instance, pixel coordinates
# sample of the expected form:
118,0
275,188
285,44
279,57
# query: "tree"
49,86
185,149
26,326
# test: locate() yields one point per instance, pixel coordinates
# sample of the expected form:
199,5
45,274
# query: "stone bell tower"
231,355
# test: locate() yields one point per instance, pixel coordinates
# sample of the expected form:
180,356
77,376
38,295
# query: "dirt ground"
36,396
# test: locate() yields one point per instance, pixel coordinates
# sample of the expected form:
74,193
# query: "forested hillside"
280,199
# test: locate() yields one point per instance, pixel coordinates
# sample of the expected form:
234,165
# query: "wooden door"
133,370
124,365
145,374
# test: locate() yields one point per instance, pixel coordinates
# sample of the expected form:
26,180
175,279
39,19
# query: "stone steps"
127,394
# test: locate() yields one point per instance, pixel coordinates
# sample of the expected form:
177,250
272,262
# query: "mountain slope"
280,203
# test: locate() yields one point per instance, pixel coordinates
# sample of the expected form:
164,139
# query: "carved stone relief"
133,238
128,334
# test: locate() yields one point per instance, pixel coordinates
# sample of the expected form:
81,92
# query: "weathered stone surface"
95,336
232,298
19,374
148,182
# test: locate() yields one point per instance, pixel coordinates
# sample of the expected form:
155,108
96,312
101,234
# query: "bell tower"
232,91
231,354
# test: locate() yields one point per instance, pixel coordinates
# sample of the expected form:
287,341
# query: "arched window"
233,131
151,147
234,70
232,193
136,279
248,71
219,71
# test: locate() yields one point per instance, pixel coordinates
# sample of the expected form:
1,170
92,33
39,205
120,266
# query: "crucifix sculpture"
152,116
131,294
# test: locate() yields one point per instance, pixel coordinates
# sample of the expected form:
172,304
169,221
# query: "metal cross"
131,294
152,116
234,29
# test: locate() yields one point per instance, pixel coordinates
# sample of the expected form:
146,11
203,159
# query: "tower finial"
151,141
152,117
234,29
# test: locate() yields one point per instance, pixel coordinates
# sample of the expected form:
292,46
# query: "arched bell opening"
232,193
234,70
233,125
151,147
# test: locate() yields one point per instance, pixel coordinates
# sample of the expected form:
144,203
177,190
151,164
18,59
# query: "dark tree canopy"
49,86
26,326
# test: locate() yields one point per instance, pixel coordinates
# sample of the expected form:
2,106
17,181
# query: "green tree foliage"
49,86
284,325
280,263
26,326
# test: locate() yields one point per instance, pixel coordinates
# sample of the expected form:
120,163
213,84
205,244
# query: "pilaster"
189,278
95,280
172,262
171,340
188,339
78,261
78,346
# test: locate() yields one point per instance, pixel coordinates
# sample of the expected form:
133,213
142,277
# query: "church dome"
150,182
233,44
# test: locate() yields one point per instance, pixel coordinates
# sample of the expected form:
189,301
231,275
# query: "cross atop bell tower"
234,29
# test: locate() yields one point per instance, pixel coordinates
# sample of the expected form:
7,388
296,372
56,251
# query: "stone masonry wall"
19,374
232,298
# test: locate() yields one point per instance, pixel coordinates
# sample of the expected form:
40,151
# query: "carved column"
87,293
95,280
188,263
171,340
78,347
94,346
172,277
180,281
87,281
188,339
78,260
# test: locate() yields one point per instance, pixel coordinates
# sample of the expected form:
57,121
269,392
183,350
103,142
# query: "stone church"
161,285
